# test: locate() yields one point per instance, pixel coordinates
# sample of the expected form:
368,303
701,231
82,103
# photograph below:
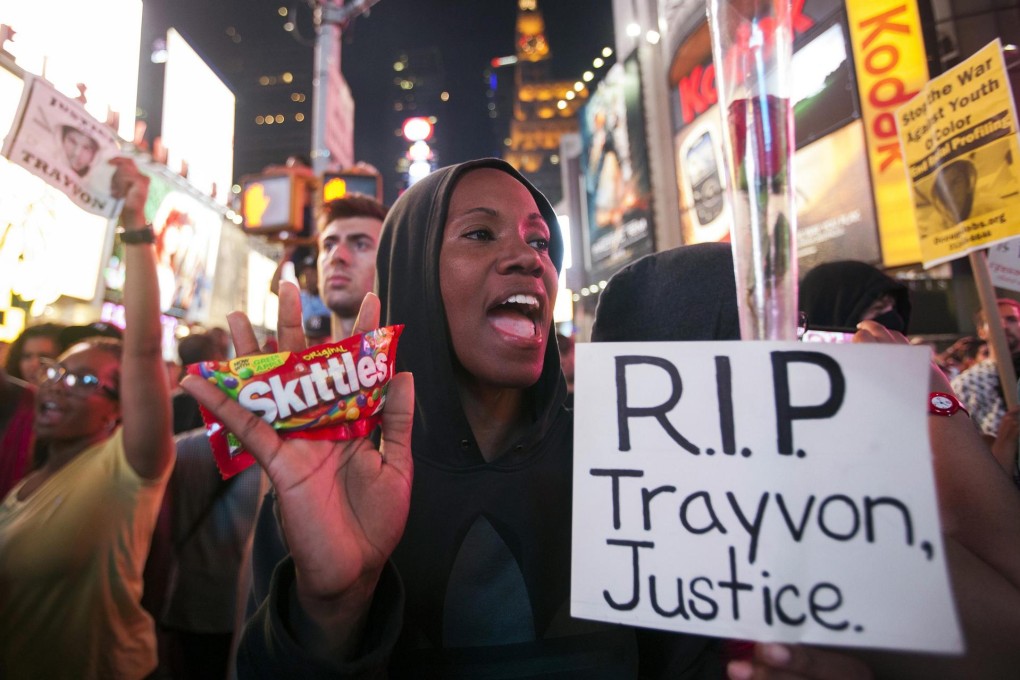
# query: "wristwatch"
942,404
130,237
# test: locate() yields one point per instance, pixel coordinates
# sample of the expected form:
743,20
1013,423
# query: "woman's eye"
540,244
479,235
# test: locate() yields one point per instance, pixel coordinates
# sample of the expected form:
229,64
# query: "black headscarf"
836,294
687,293
407,280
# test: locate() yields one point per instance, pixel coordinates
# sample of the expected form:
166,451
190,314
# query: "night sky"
468,34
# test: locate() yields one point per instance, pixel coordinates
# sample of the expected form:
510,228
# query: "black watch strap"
136,236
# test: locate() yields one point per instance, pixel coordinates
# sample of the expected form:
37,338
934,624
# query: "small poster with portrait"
57,140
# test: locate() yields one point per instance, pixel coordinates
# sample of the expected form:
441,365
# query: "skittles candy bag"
333,391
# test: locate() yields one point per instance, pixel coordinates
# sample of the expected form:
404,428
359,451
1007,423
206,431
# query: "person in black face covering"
842,294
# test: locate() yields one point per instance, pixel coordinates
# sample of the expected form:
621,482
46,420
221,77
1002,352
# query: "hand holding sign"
131,186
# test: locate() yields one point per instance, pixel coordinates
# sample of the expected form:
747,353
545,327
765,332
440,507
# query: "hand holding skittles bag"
333,391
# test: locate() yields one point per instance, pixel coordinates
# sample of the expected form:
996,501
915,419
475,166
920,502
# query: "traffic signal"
338,184
272,203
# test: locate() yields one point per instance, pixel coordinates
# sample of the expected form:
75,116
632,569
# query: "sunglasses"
80,384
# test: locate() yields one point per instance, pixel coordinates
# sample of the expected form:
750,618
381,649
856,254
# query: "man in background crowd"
348,237
981,393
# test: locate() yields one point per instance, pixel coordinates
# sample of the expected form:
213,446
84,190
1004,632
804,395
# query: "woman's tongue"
512,322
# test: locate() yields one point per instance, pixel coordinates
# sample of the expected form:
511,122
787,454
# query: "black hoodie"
485,557
836,294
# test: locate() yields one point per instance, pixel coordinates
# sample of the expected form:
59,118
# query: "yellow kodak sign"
891,68
960,146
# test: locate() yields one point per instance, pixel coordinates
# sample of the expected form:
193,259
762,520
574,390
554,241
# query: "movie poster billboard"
835,210
614,169
959,142
54,138
187,243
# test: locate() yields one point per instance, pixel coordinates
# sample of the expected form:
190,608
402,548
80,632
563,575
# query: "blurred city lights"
633,29
419,151
653,37
417,129
282,11
587,76
561,104
299,117
418,170
597,62
607,52
159,52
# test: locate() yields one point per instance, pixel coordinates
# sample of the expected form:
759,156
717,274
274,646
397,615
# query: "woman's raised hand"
343,504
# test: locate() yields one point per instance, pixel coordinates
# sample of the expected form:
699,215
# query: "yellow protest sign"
960,146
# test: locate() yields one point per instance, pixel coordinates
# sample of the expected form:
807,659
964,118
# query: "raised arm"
144,389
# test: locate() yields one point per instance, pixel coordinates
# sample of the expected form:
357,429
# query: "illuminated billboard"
71,42
836,215
187,244
614,168
198,120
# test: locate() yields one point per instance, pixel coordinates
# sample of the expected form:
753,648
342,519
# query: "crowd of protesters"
358,564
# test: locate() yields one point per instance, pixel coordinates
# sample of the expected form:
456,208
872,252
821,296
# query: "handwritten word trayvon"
759,490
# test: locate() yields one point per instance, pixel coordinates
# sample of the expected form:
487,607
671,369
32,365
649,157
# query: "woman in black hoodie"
477,584
468,576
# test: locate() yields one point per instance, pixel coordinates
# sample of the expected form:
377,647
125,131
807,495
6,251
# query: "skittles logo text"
273,399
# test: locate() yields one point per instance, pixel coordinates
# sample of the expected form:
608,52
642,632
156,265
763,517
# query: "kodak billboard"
891,68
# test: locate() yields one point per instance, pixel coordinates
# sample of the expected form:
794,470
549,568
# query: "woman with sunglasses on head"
75,532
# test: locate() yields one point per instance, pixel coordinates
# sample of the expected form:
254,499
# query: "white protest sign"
55,139
759,490
1004,264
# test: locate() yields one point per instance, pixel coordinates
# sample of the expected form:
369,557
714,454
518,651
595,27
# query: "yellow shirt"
71,559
